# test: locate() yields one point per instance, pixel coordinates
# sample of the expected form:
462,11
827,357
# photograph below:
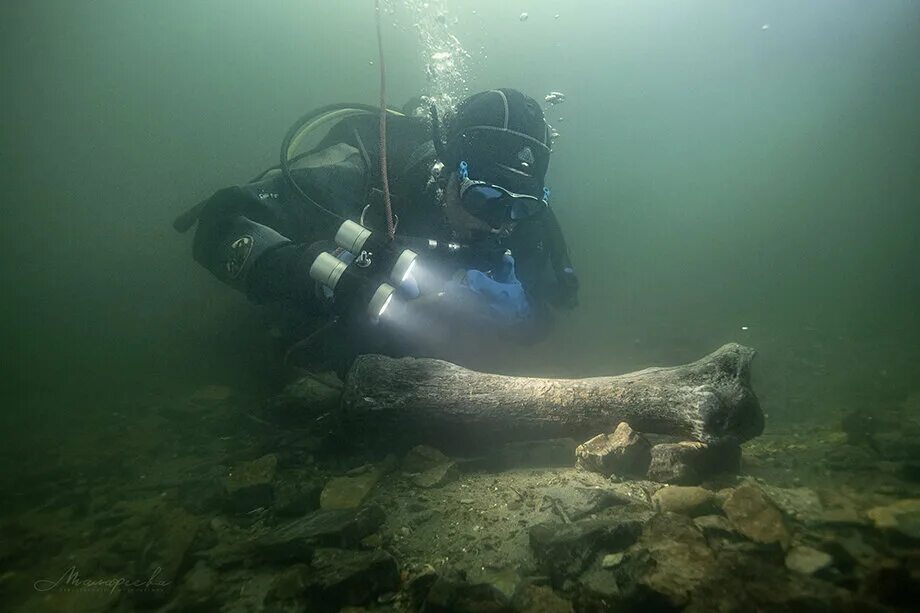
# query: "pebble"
348,492
688,500
902,516
754,516
807,560
611,560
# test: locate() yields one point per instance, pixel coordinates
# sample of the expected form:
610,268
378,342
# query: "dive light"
381,299
327,270
375,262
352,236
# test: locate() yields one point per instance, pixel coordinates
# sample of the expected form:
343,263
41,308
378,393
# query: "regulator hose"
297,131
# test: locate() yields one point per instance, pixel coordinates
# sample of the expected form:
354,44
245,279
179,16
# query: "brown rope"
391,229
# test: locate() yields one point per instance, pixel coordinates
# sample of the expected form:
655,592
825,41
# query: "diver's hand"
502,293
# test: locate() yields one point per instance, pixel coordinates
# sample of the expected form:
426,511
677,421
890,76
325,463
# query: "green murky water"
724,172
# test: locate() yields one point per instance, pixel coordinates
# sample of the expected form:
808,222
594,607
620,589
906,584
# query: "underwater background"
725,171
710,174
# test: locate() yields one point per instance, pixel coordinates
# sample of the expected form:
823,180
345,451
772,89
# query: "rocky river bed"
220,502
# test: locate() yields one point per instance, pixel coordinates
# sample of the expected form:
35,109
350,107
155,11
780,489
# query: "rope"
391,229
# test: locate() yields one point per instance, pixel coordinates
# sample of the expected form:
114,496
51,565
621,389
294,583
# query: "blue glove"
502,292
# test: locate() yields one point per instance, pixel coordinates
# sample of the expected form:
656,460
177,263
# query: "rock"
807,560
296,540
902,517
436,476
565,550
428,467
540,599
242,591
388,464
290,584
167,556
341,578
460,593
716,527
547,453
842,517
635,492
849,549
504,581
685,500
800,503
899,445
349,492
296,449
419,584
744,582
421,458
850,457
755,517
894,583
359,470
751,464
202,497
624,453
612,560
596,586
296,497
305,400
249,484
663,568
690,463
860,428
579,501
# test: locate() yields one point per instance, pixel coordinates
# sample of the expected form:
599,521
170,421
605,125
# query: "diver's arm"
259,237
245,243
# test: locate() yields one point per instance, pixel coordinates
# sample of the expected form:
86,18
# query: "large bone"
709,400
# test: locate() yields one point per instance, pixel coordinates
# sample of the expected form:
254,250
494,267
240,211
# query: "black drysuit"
261,238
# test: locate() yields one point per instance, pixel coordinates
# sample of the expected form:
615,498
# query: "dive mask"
496,204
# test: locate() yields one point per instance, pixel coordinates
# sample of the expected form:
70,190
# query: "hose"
293,136
384,177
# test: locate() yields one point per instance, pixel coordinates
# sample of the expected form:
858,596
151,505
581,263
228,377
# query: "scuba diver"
465,255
